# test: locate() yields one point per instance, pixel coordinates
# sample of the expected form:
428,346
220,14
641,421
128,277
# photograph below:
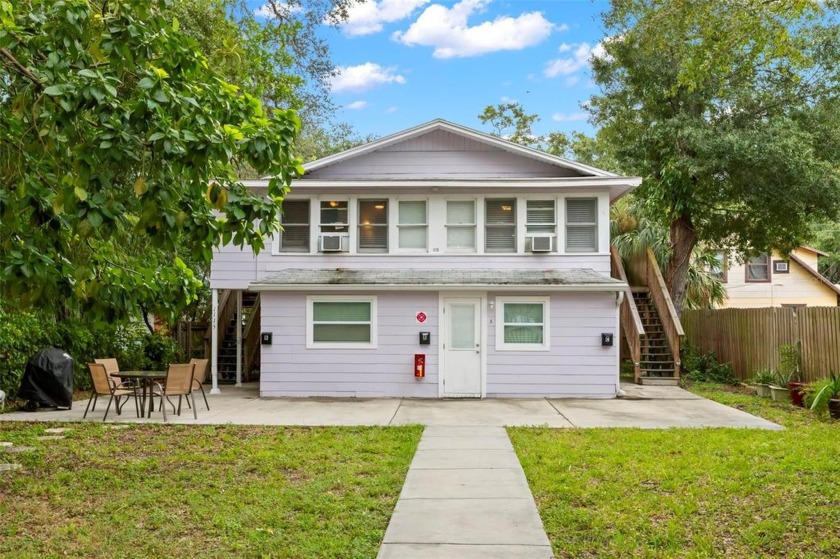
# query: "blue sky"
405,62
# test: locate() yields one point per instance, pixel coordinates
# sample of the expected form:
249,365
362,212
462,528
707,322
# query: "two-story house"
489,259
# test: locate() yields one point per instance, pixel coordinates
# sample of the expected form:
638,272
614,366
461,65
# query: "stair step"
659,381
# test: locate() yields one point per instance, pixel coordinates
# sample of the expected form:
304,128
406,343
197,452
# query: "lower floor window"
335,321
523,323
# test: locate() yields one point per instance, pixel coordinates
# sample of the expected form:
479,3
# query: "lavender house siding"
288,368
575,365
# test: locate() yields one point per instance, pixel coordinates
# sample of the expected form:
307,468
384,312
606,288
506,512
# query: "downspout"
619,299
214,341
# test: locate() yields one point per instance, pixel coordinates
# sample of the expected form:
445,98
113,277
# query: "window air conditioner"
541,243
332,243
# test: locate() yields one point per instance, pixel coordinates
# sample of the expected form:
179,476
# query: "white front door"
462,347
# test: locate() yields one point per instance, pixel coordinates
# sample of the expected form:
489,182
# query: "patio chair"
111,366
103,384
179,382
200,377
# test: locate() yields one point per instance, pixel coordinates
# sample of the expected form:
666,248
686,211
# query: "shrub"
699,367
23,334
764,376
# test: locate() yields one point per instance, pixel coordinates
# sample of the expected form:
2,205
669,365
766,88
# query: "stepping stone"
17,449
5,443
50,437
56,430
117,426
9,467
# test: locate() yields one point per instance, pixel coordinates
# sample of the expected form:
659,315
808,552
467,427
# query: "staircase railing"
631,322
227,306
665,307
251,335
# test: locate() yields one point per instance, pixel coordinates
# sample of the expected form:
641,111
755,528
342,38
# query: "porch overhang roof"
406,279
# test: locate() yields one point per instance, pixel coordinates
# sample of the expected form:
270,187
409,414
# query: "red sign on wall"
421,317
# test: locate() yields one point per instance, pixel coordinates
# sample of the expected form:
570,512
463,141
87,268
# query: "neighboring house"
495,255
770,280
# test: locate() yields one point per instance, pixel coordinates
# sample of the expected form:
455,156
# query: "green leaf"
140,187
54,90
175,24
94,218
87,73
156,136
146,83
81,193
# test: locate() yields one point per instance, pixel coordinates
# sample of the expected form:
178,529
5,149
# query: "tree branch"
21,68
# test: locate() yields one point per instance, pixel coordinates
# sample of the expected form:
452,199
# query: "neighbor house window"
373,226
719,268
460,225
581,225
758,268
334,217
338,321
522,323
295,219
500,225
412,225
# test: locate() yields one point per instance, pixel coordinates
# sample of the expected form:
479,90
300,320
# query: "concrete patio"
644,407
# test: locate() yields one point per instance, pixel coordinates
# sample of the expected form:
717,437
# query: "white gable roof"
563,166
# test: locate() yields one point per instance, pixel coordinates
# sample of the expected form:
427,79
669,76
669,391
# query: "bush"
698,367
23,334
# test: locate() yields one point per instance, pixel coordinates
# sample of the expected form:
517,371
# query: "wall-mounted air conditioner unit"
333,243
541,243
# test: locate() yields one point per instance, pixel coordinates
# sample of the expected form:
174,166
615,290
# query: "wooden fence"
749,339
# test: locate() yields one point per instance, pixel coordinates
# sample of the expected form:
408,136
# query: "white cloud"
579,59
390,110
367,18
446,30
267,10
362,77
355,105
569,117
506,99
571,81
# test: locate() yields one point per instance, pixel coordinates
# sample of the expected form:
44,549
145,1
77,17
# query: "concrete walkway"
650,407
465,497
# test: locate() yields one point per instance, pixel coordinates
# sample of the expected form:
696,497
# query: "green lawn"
196,491
690,492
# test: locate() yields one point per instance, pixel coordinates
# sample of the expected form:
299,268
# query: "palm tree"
632,234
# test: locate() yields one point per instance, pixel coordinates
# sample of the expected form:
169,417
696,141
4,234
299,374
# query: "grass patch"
690,492
202,491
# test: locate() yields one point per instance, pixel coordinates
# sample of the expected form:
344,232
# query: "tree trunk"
683,241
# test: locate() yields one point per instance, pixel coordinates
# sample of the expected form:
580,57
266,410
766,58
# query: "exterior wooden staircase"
227,336
649,324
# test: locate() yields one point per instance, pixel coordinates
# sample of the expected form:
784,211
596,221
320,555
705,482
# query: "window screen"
373,226
460,225
581,225
341,322
295,219
412,225
758,268
540,216
500,225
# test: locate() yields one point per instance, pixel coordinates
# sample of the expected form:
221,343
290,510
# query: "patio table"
146,380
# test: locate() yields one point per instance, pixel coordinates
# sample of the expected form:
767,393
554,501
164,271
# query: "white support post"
239,338
214,342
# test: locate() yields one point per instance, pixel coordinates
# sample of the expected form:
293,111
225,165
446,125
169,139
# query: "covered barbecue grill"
48,380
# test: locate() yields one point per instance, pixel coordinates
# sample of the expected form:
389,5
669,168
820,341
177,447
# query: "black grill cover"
48,379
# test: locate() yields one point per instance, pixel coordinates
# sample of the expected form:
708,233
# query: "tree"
510,121
720,106
118,138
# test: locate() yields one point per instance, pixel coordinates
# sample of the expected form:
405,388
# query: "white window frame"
310,323
500,324
276,248
527,237
478,230
395,230
598,226
357,224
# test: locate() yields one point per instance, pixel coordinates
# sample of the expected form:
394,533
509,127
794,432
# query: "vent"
781,267
333,243
541,243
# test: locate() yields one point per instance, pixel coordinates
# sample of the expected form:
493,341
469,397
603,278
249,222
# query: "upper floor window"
295,219
581,225
758,268
460,225
500,225
334,218
412,225
373,226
